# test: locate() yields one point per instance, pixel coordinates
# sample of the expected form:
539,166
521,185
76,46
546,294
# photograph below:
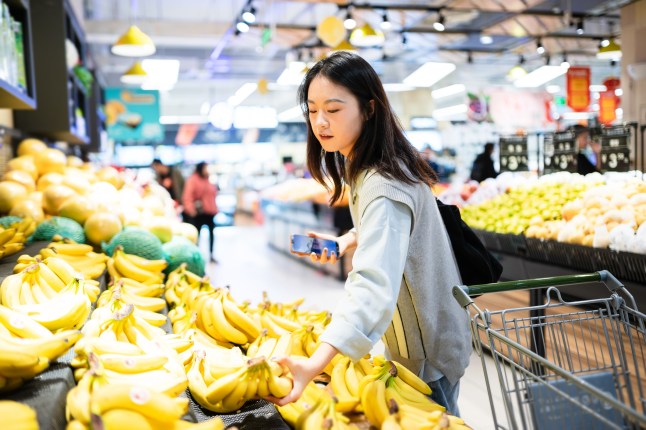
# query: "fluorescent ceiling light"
183,119
598,88
448,91
255,117
451,111
221,116
242,93
160,74
540,76
291,113
553,89
429,73
486,40
293,74
576,115
396,88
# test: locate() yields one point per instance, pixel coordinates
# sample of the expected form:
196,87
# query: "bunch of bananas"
344,382
390,380
123,265
27,348
405,417
13,239
79,255
177,282
17,416
316,409
147,300
120,406
53,273
57,306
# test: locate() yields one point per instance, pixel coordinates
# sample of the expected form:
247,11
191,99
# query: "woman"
199,202
403,265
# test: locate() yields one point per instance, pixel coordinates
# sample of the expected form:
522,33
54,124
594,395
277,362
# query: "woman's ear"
371,109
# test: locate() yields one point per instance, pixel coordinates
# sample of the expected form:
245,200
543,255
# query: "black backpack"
477,265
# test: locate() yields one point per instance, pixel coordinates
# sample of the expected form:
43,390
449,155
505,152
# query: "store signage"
132,115
615,149
578,88
607,107
513,154
559,153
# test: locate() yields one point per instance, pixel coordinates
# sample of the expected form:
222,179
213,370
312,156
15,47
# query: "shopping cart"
563,365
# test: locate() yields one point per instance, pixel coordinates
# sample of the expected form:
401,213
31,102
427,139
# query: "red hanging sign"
607,107
578,88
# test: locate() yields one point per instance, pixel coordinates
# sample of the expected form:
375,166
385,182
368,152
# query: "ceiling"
215,61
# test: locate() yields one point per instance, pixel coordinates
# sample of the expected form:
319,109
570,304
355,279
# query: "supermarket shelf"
13,98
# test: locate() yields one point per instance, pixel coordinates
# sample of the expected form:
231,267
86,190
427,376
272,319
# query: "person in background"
199,203
588,157
403,264
483,167
170,178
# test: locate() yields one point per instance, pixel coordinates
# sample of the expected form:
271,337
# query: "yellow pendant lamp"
134,43
366,36
135,75
612,51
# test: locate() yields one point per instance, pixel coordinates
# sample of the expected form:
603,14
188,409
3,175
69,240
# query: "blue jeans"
446,394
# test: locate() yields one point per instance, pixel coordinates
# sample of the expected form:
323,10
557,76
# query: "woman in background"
199,203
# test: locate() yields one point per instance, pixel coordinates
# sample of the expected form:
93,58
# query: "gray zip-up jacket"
400,285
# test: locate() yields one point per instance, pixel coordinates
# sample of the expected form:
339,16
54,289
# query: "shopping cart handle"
602,276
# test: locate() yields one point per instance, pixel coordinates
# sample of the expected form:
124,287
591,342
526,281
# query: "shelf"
12,98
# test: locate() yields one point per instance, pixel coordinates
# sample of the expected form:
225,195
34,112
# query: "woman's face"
335,115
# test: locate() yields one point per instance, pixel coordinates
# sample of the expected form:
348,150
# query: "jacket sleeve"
372,288
187,195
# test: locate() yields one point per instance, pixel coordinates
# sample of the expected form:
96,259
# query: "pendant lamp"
366,36
610,52
134,43
136,75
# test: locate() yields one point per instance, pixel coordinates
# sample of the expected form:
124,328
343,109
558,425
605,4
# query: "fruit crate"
536,249
633,266
513,244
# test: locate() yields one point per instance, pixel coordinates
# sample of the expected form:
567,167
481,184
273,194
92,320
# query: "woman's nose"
320,119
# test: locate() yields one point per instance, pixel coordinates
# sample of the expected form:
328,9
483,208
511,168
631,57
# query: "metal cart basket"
563,365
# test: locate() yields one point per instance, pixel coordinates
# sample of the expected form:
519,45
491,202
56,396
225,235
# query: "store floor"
248,266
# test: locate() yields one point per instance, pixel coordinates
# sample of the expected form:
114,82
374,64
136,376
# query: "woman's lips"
324,137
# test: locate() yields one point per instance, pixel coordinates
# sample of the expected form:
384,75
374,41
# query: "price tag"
513,154
559,153
615,159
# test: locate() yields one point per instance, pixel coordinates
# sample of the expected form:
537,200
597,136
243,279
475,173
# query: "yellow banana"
273,329
352,379
235,399
132,364
139,399
239,318
279,386
10,289
49,347
47,276
118,419
150,265
6,235
130,270
411,379
222,387
17,416
22,325
79,249
222,324
413,397
77,404
61,268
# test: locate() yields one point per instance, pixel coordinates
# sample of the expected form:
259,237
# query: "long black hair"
381,145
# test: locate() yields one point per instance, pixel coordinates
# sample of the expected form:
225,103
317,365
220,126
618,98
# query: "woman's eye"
312,112
333,110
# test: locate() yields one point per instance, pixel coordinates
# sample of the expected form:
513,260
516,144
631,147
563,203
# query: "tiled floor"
249,266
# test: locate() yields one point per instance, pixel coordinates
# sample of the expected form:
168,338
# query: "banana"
46,276
132,364
273,329
407,394
337,379
352,379
17,416
279,386
131,270
117,419
22,325
411,379
50,347
139,399
238,318
10,289
79,249
150,265
77,403
222,324
61,268
224,386
235,399
283,322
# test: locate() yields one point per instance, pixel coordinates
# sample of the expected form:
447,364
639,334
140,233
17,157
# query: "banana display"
405,417
80,256
17,416
123,265
13,239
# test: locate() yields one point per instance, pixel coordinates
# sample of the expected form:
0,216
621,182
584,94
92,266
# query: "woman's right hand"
346,242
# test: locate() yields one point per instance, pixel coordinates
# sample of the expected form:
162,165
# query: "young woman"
403,265
199,203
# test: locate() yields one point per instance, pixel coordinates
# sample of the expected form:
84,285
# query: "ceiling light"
565,63
579,26
242,27
385,24
553,89
439,24
619,112
134,43
429,73
448,91
598,88
398,88
539,47
540,76
619,92
366,36
449,112
293,74
610,52
486,40
343,46
135,75
221,116
162,74
349,22
516,73
242,93
604,43
250,15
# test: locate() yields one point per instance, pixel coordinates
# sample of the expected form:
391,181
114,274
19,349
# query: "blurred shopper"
443,171
199,203
588,157
403,265
483,166
170,178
